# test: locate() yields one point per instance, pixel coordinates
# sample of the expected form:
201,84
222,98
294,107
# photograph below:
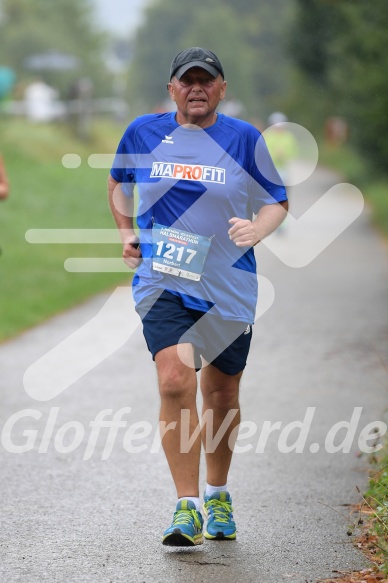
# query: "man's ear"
223,89
171,91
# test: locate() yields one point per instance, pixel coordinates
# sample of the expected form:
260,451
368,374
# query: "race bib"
179,253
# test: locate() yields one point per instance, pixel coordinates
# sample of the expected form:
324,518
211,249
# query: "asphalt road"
319,356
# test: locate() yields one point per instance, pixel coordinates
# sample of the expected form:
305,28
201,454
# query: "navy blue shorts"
167,322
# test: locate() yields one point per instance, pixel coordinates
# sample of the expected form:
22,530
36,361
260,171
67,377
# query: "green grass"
33,282
377,499
377,195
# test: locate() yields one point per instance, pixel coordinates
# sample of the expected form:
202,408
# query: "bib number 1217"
178,253
174,253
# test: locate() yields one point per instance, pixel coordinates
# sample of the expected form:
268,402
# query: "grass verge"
45,195
375,503
369,526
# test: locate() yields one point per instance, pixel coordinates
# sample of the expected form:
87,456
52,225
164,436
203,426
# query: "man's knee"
176,380
175,384
224,400
220,391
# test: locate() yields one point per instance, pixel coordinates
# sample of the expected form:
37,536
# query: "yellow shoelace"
185,517
221,510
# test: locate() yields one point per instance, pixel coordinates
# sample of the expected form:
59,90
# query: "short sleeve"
123,167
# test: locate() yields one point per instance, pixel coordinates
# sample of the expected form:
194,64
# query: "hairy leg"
221,402
178,389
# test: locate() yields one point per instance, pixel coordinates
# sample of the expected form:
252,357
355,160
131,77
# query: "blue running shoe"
186,527
219,513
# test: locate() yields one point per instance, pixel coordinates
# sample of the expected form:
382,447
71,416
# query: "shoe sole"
179,539
219,536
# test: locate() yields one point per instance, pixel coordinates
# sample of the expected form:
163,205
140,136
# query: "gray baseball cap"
196,57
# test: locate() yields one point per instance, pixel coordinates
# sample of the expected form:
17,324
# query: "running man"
204,203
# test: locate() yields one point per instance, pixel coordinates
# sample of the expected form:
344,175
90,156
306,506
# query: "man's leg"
220,395
178,389
220,402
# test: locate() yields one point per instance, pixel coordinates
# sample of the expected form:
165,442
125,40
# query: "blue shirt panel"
196,180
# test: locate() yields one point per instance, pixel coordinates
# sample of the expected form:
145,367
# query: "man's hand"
243,232
122,211
131,252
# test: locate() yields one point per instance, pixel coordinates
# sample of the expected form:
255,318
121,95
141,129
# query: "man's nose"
197,85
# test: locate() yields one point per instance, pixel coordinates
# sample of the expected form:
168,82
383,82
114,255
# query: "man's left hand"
243,232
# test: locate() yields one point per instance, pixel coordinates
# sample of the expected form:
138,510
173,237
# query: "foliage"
340,50
248,38
314,30
359,76
66,26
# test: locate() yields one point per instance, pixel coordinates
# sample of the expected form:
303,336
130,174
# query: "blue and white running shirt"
195,180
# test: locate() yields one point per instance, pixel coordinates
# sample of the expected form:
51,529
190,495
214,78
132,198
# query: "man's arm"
122,208
4,184
245,233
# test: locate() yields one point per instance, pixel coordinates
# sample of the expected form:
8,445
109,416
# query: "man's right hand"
131,252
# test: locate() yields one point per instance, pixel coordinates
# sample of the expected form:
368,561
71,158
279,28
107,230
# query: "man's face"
197,94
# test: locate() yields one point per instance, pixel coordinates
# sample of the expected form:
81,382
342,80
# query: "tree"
245,35
265,27
358,74
340,50
315,27
28,28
